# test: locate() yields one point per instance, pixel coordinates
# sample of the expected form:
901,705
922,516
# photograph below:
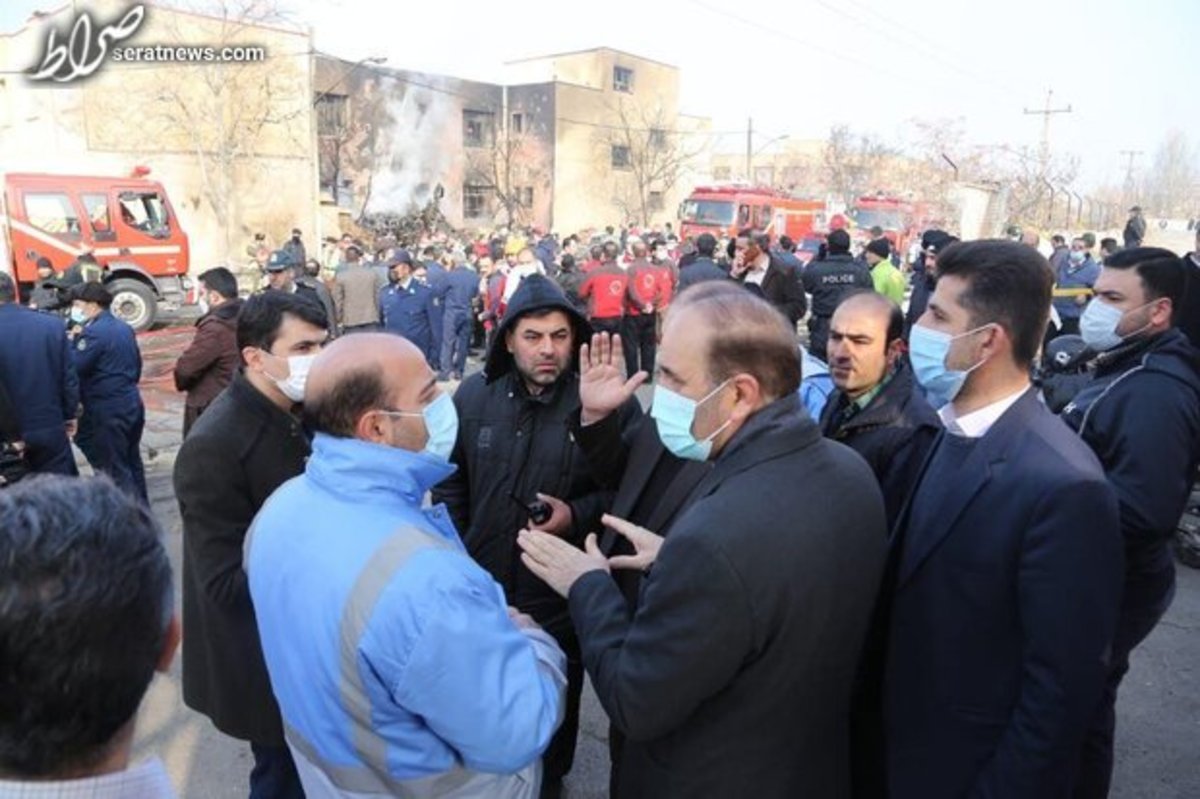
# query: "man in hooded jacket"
518,465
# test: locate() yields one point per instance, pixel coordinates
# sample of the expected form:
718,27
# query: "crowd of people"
879,564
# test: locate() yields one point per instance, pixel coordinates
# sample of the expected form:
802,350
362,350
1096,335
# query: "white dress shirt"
144,781
976,423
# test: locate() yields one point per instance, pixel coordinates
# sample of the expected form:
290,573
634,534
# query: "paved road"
1159,709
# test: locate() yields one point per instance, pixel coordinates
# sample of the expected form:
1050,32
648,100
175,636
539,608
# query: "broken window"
145,212
658,139
656,201
518,123
623,79
331,114
474,201
620,156
526,195
477,128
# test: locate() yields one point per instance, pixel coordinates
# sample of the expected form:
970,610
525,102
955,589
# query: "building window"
477,129
622,79
620,156
474,201
525,195
331,114
722,173
656,201
518,123
764,175
658,139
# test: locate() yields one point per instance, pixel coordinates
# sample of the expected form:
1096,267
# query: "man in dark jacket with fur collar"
517,458
878,410
1140,414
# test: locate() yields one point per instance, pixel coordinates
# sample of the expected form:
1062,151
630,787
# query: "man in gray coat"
734,676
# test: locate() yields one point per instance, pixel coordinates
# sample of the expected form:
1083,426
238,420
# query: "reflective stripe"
373,775
164,249
42,236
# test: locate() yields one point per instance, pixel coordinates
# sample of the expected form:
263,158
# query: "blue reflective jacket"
390,651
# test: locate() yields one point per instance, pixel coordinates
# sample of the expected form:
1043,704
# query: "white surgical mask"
1099,322
293,385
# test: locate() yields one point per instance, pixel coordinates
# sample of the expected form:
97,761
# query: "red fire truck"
724,210
128,224
899,219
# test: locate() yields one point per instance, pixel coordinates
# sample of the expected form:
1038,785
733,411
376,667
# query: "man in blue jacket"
458,290
1140,413
399,668
109,365
406,305
1073,281
1000,598
38,371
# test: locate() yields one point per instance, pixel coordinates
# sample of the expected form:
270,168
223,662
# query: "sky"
1127,70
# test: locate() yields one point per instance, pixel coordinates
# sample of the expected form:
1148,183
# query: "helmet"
1062,353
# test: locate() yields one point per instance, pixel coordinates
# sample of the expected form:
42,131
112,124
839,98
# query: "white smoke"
416,152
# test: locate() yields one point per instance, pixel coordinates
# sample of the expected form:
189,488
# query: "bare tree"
647,156
1173,183
225,114
853,161
511,166
1037,188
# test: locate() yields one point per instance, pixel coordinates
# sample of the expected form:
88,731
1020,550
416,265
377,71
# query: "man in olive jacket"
246,445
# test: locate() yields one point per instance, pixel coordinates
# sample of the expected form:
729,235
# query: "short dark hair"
1008,284
706,244
8,289
596,250
85,604
222,281
786,244
1109,244
838,241
568,261
1058,238
338,410
44,263
610,250
747,334
262,315
1162,271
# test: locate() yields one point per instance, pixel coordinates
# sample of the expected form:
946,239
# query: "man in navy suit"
1004,577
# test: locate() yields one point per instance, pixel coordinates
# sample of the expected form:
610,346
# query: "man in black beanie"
925,275
828,280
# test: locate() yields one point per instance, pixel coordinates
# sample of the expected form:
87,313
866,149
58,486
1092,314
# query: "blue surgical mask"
674,415
927,351
441,426
1077,256
78,316
1099,322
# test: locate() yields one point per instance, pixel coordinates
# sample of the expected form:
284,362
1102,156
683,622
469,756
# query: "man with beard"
518,465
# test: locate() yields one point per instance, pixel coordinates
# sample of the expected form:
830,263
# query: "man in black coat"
1187,312
758,270
38,368
516,457
925,278
878,410
1135,229
828,280
733,677
703,267
1004,572
246,444
1140,414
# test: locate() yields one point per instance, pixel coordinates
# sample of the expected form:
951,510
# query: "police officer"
456,292
828,280
109,366
406,304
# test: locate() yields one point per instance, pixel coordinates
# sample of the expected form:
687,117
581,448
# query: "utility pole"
1046,112
1132,156
749,148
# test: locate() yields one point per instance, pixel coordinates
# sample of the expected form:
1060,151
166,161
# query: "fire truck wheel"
133,303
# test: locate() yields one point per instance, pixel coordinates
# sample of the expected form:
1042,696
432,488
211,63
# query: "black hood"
536,293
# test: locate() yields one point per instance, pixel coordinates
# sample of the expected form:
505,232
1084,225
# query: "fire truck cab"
128,224
724,210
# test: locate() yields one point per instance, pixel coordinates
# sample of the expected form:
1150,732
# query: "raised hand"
602,384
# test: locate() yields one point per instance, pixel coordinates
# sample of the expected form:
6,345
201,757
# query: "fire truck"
899,219
724,210
128,224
